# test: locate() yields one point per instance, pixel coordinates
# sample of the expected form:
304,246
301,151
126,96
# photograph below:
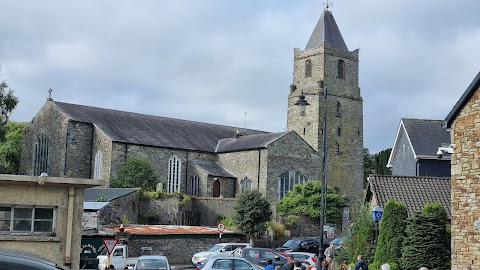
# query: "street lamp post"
323,198
377,213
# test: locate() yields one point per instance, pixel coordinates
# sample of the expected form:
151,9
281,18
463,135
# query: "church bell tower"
325,77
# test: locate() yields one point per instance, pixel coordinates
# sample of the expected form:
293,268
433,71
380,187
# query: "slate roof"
414,191
213,169
426,135
447,123
247,142
326,30
92,194
135,128
94,205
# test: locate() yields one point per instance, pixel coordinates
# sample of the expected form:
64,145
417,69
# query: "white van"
216,249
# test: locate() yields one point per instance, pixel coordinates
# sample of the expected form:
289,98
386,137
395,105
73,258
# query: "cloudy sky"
214,60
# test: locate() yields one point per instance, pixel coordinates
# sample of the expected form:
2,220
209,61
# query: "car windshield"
151,264
292,242
336,241
215,248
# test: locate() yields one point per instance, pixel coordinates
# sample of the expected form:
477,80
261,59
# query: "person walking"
360,264
269,265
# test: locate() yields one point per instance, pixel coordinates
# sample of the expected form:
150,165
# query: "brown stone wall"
466,185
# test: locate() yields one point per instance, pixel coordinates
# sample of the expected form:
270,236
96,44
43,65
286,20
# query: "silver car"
306,258
152,262
229,263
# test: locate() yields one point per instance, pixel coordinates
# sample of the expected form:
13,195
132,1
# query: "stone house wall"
465,162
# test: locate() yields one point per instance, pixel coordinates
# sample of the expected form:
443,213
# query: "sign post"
221,228
109,244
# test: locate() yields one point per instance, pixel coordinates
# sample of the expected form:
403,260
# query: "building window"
216,189
308,68
40,155
288,180
245,184
195,185
174,174
97,169
338,109
26,219
341,69
339,131
337,151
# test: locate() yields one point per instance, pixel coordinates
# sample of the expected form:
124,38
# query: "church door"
216,189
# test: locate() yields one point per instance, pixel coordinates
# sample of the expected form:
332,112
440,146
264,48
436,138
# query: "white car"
216,249
151,262
228,263
306,258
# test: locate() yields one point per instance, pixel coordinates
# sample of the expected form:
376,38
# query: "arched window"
288,179
338,109
97,169
174,174
341,69
195,185
245,184
40,155
308,68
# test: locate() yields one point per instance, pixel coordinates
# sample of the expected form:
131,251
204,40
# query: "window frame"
12,229
40,155
294,177
194,185
174,174
341,69
97,169
308,68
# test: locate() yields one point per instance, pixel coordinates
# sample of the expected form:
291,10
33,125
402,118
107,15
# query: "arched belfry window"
288,179
97,169
338,109
308,68
341,69
174,174
40,155
245,184
195,185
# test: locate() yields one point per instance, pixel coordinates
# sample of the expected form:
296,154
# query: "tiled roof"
472,88
414,191
326,30
247,142
170,229
151,130
92,194
213,169
426,135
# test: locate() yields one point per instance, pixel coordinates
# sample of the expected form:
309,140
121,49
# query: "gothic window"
195,185
174,174
338,109
245,184
308,68
339,131
288,179
97,169
341,69
40,155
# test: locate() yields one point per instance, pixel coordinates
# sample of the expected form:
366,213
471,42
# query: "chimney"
237,134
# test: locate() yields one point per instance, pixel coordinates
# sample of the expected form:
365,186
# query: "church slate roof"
326,30
414,191
92,194
426,135
247,142
142,129
213,169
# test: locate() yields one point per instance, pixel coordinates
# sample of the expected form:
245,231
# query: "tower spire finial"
327,4
50,94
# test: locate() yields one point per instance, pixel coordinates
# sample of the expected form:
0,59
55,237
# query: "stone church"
209,160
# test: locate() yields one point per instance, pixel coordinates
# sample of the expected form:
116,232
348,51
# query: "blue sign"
377,213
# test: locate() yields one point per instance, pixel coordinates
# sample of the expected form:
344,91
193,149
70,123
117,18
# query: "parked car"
260,255
216,249
14,260
306,258
310,245
218,262
152,262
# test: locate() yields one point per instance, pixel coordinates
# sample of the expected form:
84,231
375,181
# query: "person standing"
360,264
289,264
269,265
330,256
344,265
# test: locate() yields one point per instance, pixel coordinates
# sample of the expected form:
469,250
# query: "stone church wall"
78,149
466,185
103,144
209,209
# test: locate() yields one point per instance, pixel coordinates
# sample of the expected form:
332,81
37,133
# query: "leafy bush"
278,229
137,172
253,212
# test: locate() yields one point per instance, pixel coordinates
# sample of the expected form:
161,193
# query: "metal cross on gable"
50,94
327,4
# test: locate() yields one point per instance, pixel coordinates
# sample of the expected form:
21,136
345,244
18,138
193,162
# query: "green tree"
391,233
11,147
425,243
305,200
380,161
137,172
252,214
8,102
367,166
